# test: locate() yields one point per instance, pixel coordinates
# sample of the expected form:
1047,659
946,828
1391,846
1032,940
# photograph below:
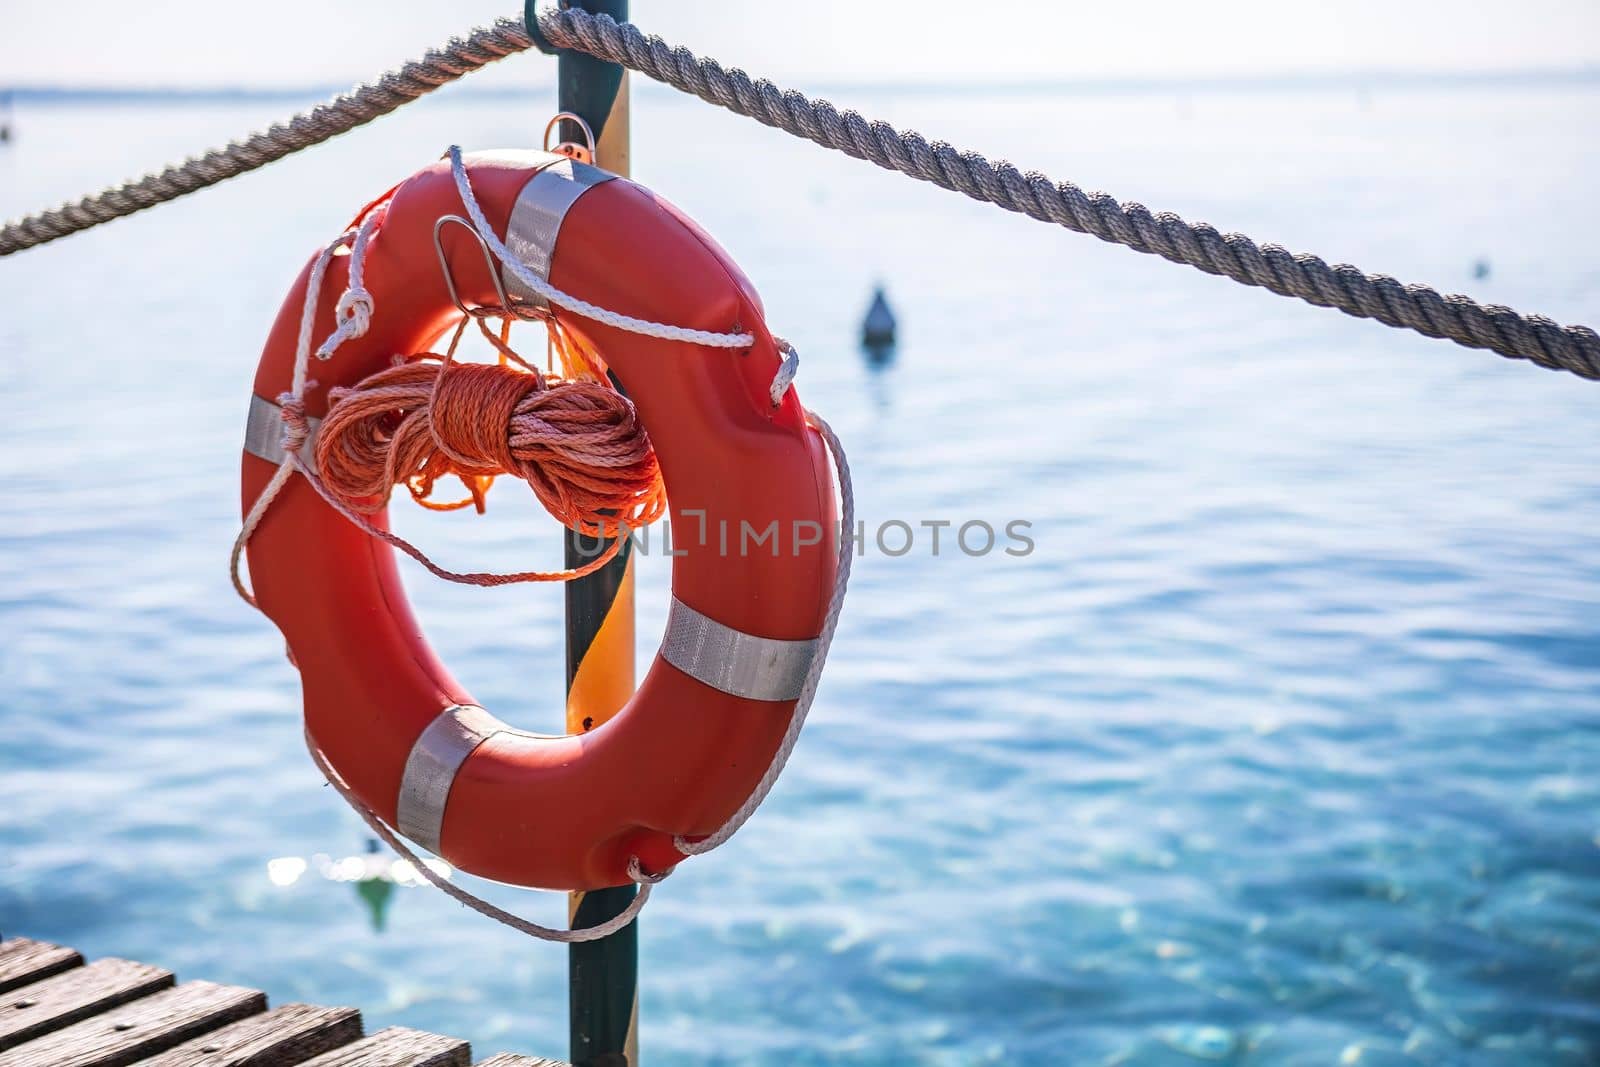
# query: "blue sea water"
1281,747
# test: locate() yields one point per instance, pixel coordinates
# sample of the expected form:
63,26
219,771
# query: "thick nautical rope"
1232,255
1306,277
440,66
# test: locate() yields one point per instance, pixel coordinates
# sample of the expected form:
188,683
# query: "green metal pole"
602,975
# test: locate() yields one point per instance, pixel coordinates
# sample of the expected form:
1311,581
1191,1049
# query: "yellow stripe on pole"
605,677
612,150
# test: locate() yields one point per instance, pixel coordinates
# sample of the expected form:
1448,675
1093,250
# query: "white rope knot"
354,315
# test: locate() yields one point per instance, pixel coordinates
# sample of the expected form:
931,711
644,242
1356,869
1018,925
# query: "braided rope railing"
1303,276
441,66
1351,290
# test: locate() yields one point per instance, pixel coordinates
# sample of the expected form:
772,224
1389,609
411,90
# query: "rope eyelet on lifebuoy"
684,762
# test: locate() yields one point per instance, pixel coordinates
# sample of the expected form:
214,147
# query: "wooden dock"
58,1011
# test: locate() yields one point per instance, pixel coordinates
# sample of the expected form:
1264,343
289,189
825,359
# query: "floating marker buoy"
375,887
877,329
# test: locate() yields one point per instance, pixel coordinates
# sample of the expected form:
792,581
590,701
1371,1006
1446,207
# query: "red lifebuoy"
681,757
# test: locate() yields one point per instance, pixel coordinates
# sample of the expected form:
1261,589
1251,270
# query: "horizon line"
1352,78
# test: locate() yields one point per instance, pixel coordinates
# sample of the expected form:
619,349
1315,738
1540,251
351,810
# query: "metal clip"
507,305
583,153
530,21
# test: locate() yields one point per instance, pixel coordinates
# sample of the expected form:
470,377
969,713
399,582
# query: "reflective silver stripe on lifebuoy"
263,432
431,769
758,668
536,219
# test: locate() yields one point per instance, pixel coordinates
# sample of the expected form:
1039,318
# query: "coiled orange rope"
573,438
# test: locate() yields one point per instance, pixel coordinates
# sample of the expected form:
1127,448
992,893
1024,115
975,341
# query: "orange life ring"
682,756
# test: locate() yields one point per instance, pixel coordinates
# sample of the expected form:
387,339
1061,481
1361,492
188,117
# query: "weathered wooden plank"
40,1007
292,1033
55,1011
23,960
141,1028
399,1047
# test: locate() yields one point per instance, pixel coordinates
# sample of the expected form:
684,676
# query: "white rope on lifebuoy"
544,933
532,279
786,370
808,689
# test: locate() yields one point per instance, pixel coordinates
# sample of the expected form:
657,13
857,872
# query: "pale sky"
317,42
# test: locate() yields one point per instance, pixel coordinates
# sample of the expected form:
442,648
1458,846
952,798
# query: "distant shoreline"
1357,80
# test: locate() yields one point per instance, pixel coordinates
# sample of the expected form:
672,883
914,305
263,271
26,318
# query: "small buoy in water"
877,329
1480,269
375,888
